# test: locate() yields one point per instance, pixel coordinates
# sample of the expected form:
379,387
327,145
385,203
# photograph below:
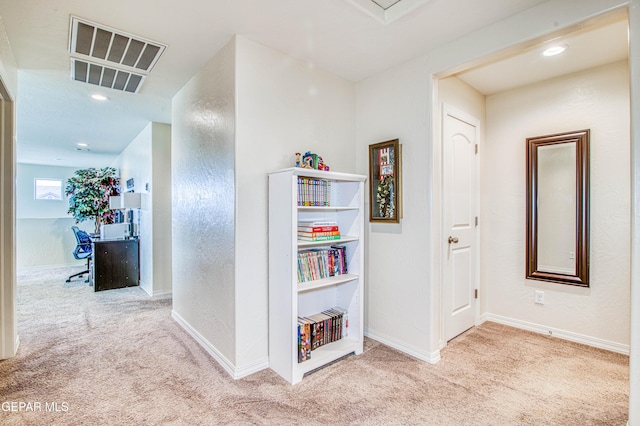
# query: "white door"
460,251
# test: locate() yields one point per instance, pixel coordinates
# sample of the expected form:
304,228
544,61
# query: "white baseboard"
559,333
149,290
431,358
234,372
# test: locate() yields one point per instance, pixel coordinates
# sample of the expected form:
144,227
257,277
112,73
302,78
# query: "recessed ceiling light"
555,50
99,97
82,144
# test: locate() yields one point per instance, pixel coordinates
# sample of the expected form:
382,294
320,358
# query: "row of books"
321,329
313,192
316,264
318,231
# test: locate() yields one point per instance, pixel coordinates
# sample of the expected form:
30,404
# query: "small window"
48,189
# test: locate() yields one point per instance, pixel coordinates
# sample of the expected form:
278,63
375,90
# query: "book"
318,234
313,192
316,223
344,321
319,238
331,228
325,327
315,264
304,340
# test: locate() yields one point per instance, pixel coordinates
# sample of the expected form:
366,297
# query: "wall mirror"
558,208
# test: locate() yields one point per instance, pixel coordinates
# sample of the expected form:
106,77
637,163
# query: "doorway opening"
549,96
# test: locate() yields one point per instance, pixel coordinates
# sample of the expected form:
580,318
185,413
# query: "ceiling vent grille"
92,73
104,56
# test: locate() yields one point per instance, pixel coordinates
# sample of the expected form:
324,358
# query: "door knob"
453,240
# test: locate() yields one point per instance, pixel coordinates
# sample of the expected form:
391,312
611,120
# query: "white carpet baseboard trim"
151,293
431,358
234,372
556,332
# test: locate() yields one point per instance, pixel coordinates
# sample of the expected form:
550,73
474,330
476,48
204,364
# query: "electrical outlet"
572,255
539,297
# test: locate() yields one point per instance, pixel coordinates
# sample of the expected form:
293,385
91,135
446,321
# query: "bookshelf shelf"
326,282
306,244
328,353
289,299
324,208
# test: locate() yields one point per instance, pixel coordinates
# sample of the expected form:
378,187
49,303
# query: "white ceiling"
55,113
587,48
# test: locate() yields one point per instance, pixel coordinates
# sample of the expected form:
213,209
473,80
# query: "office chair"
82,251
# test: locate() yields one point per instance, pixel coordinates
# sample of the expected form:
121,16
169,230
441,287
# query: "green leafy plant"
89,191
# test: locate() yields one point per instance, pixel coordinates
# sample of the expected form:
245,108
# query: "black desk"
116,264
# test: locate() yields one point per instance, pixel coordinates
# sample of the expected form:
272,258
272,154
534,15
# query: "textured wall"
43,234
203,200
397,291
135,163
160,204
284,106
47,242
147,160
401,102
26,204
597,99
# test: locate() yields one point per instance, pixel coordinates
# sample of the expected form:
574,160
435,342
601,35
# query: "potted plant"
89,191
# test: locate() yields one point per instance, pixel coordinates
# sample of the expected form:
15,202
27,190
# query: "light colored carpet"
116,357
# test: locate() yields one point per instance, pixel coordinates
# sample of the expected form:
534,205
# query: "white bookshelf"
289,299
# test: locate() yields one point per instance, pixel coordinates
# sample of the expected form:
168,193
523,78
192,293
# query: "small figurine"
321,165
307,160
310,161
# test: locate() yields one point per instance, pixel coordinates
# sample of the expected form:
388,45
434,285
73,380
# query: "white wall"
634,356
43,227
147,160
160,188
410,319
398,293
203,200
283,106
245,114
596,99
135,163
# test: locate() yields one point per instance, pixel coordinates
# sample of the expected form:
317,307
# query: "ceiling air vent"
110,58
93,73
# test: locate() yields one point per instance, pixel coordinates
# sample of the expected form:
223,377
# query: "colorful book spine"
304,340
323,328
319,234
318,228
313,192
316,264
319,238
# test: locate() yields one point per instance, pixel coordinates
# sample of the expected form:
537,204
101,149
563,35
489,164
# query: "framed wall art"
385,182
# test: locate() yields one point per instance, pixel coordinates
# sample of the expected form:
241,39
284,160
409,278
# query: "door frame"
448,109
9,340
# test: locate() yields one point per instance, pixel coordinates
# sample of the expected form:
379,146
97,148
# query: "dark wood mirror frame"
581,276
